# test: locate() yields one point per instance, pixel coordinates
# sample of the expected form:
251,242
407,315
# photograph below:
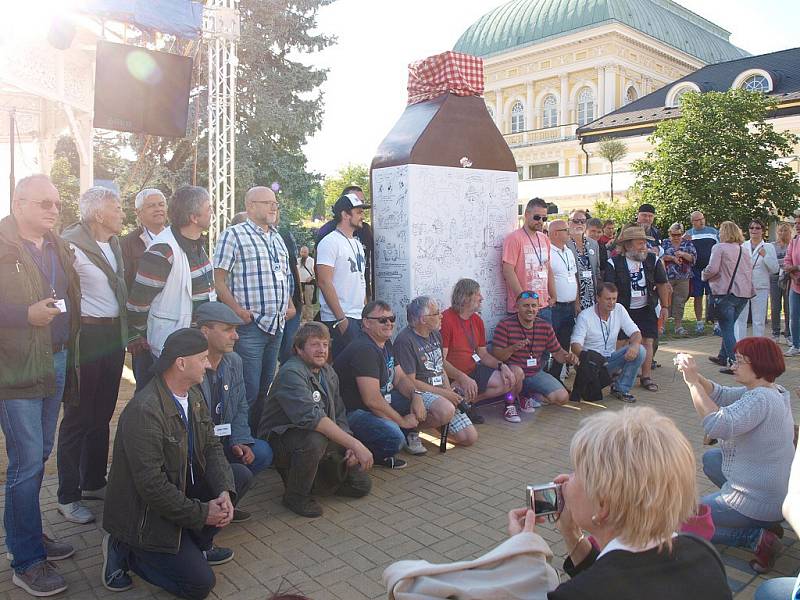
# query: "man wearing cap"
645,218
642,283
704,239
170,488
526,259
252,275
305,423
224,392
341,275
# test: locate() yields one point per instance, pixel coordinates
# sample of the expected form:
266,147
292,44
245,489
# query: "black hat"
647,208
183,342
348,202
216,312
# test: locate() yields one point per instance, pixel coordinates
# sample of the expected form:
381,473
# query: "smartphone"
545,499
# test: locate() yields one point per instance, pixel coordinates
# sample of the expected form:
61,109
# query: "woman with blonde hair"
778,283
730,274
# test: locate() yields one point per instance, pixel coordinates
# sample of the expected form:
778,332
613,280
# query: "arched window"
585,106
549,111
517,117
678,90
631,95
756,83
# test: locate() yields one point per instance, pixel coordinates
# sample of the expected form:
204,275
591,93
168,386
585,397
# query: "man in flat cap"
170,488
224,392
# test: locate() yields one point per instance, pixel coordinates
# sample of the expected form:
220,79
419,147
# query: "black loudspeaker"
141,91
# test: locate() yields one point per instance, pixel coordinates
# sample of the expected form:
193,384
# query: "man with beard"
642,282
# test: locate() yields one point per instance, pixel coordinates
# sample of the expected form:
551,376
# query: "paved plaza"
443,507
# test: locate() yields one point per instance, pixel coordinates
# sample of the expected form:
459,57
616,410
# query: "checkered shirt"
248,253
460,74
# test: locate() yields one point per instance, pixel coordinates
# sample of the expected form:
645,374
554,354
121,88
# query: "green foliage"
721,157
619,212
333,186
68,186
612,150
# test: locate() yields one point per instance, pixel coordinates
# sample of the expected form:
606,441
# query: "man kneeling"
304,421
170,486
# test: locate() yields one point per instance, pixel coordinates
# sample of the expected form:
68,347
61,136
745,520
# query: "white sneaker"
699,327
529,405
414,444
75,512
511,415
792,351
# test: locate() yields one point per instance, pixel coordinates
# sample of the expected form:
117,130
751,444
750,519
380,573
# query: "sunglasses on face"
47,204
754,227
579,221
383,320
528,296
539,218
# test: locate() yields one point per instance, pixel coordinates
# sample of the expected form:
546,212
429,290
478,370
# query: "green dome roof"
520,23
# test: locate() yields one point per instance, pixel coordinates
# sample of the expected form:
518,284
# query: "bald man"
704,239
252,275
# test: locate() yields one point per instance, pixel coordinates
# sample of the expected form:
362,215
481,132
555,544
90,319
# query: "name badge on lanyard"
531,362
222,430
586,274
437,380
388,398
475,357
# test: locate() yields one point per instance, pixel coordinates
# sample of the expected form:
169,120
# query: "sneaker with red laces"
511,415
767,551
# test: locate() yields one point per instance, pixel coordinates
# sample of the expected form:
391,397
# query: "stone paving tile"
441,508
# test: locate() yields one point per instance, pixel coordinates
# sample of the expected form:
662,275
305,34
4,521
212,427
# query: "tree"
620,213
722,157
349,175
612,151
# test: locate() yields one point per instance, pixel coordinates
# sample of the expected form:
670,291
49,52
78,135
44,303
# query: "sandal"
648,384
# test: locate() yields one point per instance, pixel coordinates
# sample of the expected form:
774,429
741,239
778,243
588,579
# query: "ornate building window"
585,110
678,90
517,117
756,83
550,111
631,95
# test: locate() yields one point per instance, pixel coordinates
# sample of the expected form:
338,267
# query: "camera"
546,500
677,359
464,406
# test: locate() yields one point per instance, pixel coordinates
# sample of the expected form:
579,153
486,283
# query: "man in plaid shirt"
251,273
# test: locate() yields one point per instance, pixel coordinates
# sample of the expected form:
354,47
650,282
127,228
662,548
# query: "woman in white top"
765,263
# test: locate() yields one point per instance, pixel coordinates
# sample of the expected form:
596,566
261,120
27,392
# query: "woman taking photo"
679,257
778,287
765,264
754,425
729,273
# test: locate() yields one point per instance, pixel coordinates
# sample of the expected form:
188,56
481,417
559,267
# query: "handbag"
717,298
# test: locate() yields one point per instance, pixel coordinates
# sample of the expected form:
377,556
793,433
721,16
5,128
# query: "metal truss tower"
221,32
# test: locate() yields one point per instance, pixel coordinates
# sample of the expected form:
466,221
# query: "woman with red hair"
754,425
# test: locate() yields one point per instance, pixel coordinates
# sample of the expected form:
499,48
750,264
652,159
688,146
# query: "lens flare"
144,67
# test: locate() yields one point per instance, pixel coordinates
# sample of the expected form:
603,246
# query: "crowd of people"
236,372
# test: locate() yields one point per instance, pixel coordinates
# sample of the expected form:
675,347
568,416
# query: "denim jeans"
381,436
292,325
780,588
29,425
732,528
728,309
563,321
259,352
778,299
141,362
794,317
338,341
630,368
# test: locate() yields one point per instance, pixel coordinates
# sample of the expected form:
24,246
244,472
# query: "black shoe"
475,416
217,555
240,516
626,397
115,567
392,462
718,361
305,507
726,371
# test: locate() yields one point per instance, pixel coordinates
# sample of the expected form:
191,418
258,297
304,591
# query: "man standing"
224,392
526,259
597,329
340,273
594,230
83,435
39,322
704,239
170,488
521,340
642,283
251,273
645,218
175,274
151,212
304,421
308,282
565,304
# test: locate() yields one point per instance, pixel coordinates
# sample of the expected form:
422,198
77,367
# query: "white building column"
601,91
611,84
564,116
498,109
573,166
529,111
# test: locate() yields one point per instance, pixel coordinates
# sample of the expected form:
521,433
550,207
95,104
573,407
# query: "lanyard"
469,333
533,335
40,265
187,422
356,254
218,395
538,252
386,356
754,253
605,328
147,232
560,254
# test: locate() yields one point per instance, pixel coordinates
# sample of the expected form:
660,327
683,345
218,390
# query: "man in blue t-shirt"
704,239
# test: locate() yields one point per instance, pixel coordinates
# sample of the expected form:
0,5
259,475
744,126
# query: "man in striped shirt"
174,275
521,340
252,275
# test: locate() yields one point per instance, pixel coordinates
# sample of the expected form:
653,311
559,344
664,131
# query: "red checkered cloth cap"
461,74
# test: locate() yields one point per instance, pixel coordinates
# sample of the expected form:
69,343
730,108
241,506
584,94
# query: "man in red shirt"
464,346
520,341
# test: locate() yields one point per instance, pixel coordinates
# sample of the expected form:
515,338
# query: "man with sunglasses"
526,259
40,302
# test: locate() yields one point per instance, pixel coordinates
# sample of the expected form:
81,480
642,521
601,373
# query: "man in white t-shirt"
340,272
597,328
566,303
308,282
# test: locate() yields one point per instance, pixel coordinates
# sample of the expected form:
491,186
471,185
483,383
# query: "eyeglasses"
755,227
539,217
676,233
383,320
528,295
579,221
436,314
47,204
558,230
270,202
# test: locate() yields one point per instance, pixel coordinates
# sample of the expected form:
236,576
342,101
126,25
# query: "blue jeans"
381,436
546,314
732,528
263,456
728,309
141,363
780,588
794,317
338,341
259,352
289,330
563,322
630,368
29,425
